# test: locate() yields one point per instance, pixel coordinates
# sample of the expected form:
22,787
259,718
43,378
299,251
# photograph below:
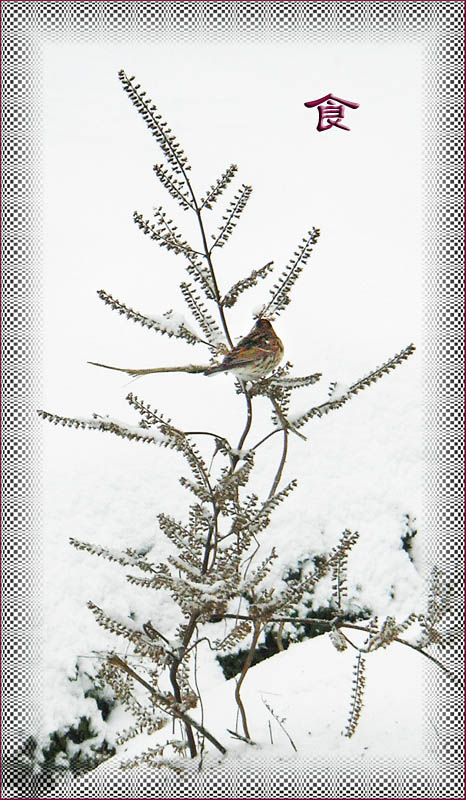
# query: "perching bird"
252,358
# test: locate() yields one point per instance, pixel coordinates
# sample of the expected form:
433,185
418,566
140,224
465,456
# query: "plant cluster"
215,571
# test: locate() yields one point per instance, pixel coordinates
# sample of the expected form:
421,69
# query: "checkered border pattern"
21,356
439,27
444,352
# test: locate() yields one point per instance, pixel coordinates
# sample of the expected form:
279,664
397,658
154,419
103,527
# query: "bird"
255,355
253,358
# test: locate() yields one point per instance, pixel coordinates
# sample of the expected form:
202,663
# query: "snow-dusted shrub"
219,566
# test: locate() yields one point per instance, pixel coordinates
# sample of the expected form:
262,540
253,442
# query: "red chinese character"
331,112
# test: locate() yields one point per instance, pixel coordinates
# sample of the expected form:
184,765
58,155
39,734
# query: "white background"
357,304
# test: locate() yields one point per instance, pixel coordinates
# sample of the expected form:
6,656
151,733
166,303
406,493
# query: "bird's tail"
188,368
216,368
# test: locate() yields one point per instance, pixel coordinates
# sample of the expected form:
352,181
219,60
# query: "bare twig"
340,624
280,637
281,465
175,712
247,427
246,665
284,422
238,736
280,722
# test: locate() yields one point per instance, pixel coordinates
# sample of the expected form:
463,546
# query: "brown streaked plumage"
254,356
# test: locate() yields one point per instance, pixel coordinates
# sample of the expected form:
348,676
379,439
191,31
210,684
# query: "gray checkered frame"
439,26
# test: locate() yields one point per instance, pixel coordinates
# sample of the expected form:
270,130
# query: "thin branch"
332,405
173,185
332,623
355,388
173,711
354,646
209,433
165,234
165,324
246,665
177,694
280,722
267,436
240,286
285,424
281,289
200,313
213,532
201,704
280,637
431,658
281,465
356,696
178,160
218,188
235,208
238,736
170,146
247,427
208,257
189,451
174,679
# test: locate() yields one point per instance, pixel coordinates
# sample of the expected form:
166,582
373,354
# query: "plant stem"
271,711
209,433
330,623
214,279
280,637
285,424
206,253
211,266
177,694
208,545
246,665
174,679
247,427
118,662
281,464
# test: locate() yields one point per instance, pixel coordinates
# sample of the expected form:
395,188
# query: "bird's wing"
239,359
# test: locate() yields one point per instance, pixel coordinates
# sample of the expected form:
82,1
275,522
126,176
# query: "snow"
359,470
172,322
241,454
309,686
361,466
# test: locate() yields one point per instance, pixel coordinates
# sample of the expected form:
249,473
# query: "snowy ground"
360,469
308,688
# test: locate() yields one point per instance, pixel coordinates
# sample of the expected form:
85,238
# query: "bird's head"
263,325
